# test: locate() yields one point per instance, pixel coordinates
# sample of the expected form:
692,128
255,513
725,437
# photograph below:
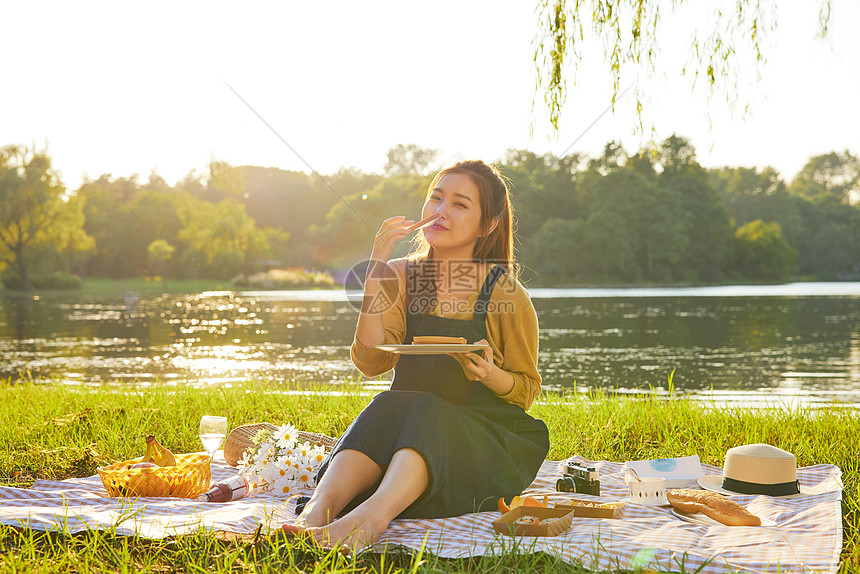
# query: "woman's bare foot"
405,479
358,529
292,529
316,513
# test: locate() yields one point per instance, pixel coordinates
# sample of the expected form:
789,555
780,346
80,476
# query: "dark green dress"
477,446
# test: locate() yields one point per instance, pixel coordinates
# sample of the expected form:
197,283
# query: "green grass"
58,432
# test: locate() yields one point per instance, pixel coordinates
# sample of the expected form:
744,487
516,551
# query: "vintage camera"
578,478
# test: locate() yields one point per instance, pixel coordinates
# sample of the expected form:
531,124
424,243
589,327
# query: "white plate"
664,504
705,519
434,349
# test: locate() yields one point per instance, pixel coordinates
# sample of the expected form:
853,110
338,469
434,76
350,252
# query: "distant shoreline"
150,286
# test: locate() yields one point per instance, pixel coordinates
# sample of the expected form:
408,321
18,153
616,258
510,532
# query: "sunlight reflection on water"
744,345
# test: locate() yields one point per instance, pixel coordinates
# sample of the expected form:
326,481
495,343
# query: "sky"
128,88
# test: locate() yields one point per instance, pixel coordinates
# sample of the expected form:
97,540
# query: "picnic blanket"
807,536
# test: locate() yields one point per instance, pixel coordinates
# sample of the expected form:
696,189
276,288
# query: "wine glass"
212,432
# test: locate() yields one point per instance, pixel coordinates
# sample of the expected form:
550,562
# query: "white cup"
650,491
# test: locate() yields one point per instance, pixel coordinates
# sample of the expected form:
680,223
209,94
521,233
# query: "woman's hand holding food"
393,230
477,367
370,330
481,368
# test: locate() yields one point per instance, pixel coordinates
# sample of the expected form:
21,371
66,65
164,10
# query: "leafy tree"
291,201
410,159
347,234
530,194
612,159
616,201
279,252
623,218
610,244
225,181
346,181
662,235
830,175
697,211
349,192
749,194
815,257
109,223
835,251
631,31
156,183
616,217
761,252
192,184
35,215
560,251
275,197
220,236
124,218
160,252
542,187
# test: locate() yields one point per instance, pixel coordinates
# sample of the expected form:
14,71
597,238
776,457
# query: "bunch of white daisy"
280,463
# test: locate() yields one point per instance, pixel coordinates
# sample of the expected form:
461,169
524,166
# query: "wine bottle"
226,490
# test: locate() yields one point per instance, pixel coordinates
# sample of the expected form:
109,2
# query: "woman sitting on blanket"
452,435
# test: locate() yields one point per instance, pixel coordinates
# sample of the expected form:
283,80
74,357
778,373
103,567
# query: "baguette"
434,340
712,505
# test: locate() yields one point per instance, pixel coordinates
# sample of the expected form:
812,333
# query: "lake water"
752,345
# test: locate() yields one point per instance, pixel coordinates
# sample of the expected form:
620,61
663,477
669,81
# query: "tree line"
653,216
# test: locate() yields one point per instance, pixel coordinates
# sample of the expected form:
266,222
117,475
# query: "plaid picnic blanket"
807,536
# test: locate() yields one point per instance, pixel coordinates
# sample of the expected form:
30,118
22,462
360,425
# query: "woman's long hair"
496,244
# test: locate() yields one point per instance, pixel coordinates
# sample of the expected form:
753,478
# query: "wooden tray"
591,509
505,524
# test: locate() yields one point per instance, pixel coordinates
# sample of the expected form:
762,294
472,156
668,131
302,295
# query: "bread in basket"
241,438
188,479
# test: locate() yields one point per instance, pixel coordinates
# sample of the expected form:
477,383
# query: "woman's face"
457,198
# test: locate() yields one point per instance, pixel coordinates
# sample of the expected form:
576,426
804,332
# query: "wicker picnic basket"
188,479
241,438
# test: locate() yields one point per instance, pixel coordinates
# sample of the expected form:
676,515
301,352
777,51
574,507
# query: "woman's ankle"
360,527
316,514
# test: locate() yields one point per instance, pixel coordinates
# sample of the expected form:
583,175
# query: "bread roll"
434,340
712,505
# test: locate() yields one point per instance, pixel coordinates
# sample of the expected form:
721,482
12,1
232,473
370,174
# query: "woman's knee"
410,457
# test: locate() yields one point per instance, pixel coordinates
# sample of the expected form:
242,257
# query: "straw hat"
757,469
